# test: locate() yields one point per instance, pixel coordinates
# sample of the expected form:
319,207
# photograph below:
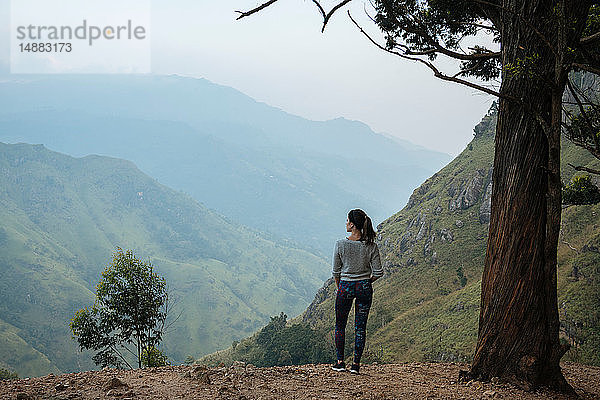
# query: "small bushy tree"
128,316
153,357
7,375
290,345
581,190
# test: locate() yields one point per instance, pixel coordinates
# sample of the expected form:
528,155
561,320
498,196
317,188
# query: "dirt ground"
385,381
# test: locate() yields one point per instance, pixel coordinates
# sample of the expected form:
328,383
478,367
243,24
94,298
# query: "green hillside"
62,217
427,305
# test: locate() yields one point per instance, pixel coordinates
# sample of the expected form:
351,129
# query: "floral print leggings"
348,290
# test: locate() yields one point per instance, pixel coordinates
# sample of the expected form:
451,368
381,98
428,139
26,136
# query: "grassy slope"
420,309
16,351
61,219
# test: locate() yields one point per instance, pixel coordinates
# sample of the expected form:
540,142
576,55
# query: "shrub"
6,375
581,190
128,316
153,357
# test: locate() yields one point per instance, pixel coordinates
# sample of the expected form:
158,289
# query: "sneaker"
338,366
354,369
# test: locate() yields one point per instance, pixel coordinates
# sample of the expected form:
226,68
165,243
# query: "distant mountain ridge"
62,217
252,162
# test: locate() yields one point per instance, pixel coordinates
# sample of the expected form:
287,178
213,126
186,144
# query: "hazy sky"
280,57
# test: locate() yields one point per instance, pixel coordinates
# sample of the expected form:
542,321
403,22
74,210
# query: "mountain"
62,217
258,165
426,307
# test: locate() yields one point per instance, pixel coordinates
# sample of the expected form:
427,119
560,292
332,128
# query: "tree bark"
518,324
518,328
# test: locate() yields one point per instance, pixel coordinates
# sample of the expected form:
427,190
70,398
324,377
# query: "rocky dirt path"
386,381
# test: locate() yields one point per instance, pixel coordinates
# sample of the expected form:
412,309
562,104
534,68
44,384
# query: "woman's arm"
336,269
337,265
376,269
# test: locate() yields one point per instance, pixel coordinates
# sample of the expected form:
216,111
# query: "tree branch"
482,26
254,10
327,16
588,68
491,13
584,145
570,103
128,349
120,355
437,47
453,54
585,169
464,71
429,65
583,113
590,39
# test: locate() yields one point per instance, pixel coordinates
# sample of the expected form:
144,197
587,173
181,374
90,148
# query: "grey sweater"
354,260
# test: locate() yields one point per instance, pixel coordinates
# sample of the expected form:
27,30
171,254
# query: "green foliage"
130,309
525,66
582,111
290,345
592,27
593,22
7,375
267,333
581,190
153,357
584,130
414,26
16,353
428,28
278,343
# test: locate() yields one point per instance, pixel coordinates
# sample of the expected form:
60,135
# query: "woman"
356,265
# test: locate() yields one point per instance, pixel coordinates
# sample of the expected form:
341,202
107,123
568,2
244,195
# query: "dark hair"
361,220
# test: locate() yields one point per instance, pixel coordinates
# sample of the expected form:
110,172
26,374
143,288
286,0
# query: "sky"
279,56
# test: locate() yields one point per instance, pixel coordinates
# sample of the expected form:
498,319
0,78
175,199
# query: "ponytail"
367,231
362,221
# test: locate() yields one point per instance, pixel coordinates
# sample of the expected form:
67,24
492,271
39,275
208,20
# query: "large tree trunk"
518,323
